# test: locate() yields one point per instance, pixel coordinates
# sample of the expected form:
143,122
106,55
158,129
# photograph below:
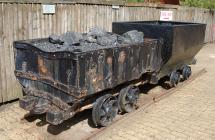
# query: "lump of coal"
134,36
89,38
91,46
96,31
71,38
96,38
55,39
107,40
123,40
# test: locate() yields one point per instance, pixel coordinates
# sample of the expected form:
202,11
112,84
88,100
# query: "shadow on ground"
85,115
57,129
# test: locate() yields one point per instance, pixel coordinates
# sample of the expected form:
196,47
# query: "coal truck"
65,74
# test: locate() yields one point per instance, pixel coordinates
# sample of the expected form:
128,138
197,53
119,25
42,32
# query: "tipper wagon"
63,75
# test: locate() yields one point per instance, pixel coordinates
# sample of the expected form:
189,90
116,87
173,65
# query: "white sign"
166,15
115,7
48,9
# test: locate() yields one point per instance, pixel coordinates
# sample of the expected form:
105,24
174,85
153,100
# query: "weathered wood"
7,40
98,2
10,34
154,5
2,83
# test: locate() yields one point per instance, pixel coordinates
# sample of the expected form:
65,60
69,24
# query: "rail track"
148,99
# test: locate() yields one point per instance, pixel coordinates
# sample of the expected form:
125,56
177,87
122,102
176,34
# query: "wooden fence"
20,21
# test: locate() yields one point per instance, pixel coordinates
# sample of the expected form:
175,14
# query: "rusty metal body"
60,82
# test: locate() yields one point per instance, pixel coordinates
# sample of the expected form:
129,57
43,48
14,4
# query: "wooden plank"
10,63
34,20
74,19
6,54
154,5
110,17
24,21
81,18
64,17
46,25
50,17
78,17
69,15
42,23
15,22
98,2
39,23
11,33
30,21
88,18
85,20
54,22
58,18
92,17
19,30
61,17
2,83
17,87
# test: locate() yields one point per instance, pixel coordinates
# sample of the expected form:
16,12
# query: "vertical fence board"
25,21
39,21
17,89
10,34
6,63
2,83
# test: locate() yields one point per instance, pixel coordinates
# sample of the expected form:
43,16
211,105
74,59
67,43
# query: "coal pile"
96,38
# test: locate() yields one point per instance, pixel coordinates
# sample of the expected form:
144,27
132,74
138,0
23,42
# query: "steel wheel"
128,98
186,72
174,79
105,110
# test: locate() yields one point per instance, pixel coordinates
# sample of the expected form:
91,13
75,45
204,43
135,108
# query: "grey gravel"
55,39
107,40
71,38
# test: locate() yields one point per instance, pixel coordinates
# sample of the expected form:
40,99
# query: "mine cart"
63,75
182,41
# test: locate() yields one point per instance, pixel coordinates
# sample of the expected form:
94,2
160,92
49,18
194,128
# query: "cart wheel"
105,110
174,79
128,98
186,72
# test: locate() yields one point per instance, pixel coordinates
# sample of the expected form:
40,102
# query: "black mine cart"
182,40
63,82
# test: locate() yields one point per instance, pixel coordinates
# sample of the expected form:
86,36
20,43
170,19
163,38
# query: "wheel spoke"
105,110
103,120
105,107
102,113
126,102
128,98
112,102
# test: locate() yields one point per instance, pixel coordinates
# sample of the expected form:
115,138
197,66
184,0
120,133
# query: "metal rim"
186,72
128,98
174,79
105,110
